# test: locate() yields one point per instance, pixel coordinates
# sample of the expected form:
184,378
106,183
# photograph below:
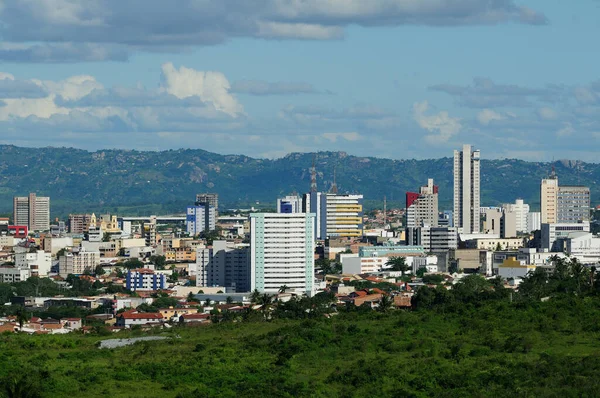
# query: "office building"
422,207
33,211
499,222
200,218
224,264
432,239
563,204
552,233
521,212
38,262
289,204
466,190
573,204
282,252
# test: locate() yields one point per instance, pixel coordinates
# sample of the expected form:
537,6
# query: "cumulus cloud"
441,123
258,87
210,87
11,88
96,30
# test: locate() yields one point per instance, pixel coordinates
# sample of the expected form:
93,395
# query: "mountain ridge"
134,181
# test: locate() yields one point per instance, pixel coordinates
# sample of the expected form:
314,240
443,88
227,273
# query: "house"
169,313
72,323
128,319
194,318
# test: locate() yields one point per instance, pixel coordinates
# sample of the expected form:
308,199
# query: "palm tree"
397,264
283,288
255,296
229,300
207,302
22,317
385,303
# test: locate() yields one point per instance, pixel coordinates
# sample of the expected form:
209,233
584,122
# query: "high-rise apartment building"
521,211
212,199
337,215
422,207
282,252
563,204
466,190
200,218
33,211
224,264
78,262
79,223
548,199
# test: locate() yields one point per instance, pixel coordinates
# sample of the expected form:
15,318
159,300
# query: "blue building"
144,279
200,218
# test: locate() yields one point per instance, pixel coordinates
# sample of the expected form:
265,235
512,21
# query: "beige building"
77,263
33,211
493,244
548,197
422,207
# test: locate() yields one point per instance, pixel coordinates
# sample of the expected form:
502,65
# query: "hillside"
132,182
498,349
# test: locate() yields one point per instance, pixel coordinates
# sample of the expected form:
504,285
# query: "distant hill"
134,182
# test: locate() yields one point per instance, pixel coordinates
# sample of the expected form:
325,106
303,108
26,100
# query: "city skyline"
280,77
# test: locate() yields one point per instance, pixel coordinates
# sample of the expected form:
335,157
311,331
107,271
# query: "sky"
398,79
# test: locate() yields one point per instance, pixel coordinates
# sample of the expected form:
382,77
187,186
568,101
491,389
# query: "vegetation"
476,339
80,180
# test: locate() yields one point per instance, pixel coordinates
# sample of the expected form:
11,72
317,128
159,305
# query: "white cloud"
211,87
487,115
441,123
333,137
566,130
546,113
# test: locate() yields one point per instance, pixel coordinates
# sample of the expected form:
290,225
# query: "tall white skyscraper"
282,252
466,190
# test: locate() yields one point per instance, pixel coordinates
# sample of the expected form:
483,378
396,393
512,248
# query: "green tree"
397,264
22,316
99,271
229,300
255,296
158,261
385,303
283,288
133,263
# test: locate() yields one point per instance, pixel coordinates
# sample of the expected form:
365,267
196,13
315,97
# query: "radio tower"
313,176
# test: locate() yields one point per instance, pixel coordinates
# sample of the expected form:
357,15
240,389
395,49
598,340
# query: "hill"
497,349
130,182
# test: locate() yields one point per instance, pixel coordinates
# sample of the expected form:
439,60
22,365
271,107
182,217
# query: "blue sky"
385,78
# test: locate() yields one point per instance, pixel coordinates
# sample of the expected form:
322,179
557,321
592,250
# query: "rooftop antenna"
313,175
334,188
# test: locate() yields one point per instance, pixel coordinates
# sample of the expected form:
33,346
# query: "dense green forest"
477,339
134,182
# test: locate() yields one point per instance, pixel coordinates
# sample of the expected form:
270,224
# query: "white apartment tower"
466,190
282,252
422,207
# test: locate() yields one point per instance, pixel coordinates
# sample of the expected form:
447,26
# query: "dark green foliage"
78,180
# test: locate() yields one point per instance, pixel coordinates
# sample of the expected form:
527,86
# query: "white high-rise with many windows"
466,190
521,211
282,252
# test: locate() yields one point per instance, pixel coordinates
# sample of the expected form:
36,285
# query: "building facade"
521,211
39,262
224,264
200,218
79,223
289,204
432,239
422,207
573,204
210,199
282,252
78,262
144,279
337,216
466,190
33,211
548,199
552,233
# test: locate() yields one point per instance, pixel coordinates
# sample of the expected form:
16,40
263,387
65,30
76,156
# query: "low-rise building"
78,262
13,274
144,279
128,319
39,262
